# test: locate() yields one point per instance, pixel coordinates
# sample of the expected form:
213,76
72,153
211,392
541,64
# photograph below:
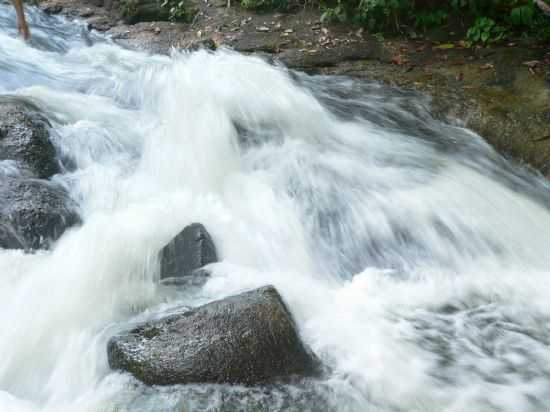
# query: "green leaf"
445,46
485,36
515,16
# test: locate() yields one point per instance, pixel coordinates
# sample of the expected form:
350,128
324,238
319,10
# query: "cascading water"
413,257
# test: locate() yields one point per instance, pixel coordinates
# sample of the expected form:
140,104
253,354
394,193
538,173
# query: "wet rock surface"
24,137
8,238
248,339
33,213
494,94
190,250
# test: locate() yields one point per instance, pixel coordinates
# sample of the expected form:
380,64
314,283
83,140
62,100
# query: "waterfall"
413,257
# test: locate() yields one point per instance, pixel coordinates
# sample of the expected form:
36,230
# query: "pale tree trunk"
544,6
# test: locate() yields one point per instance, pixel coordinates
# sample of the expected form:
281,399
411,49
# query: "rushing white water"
414,258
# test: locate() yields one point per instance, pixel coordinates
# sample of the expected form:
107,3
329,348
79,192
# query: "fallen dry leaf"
487,66
397,60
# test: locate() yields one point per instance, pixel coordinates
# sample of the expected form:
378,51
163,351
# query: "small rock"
99,24
36,211
289,31
156,30
87,13
25,137
53,9
190,250
262,29
207,44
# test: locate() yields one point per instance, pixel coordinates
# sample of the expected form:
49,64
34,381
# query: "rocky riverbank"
501,92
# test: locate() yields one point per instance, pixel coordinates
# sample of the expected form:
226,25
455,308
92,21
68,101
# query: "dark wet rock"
25,138
190,250
36,212
142,36
53,9
257,42
100,24
207,44
248,339
330,57
8,238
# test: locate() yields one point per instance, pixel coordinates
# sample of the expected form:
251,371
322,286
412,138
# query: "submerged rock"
8,238
24,137
246,339
33,213
190,250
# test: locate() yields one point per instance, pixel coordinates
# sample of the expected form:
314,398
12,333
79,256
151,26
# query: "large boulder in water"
25,138
246,339
33,213
190,250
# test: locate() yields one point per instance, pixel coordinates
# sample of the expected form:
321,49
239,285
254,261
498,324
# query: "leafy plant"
375,14
494,19
523,15
176,9
129,8
485,30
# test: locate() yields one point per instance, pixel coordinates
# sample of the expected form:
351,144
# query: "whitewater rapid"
413,257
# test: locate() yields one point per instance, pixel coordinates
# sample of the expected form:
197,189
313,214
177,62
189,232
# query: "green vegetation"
176,9
485,30
492,20
155,10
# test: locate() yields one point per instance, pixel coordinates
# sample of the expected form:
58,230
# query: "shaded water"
414,258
